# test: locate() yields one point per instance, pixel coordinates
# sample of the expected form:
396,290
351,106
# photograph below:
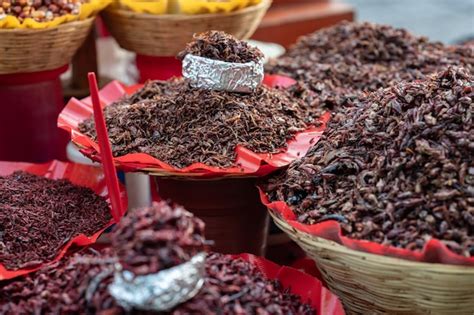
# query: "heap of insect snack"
45,209
394,178
339,64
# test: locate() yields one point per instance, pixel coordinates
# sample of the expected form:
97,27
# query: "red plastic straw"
106,151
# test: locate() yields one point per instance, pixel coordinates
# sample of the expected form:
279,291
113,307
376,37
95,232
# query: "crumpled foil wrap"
161,291
209,74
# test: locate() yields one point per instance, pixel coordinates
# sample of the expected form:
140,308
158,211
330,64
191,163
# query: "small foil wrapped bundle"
217,61
161,291
205,73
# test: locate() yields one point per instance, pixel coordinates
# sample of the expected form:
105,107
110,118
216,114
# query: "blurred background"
448,21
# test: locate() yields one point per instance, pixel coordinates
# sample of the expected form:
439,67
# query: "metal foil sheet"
205,73
161,291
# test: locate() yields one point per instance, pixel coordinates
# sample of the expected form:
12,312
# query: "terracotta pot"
234,216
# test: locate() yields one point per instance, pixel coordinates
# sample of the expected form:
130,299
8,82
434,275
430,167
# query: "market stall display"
232,284
358,142
383,202
46,209
218,143
37,42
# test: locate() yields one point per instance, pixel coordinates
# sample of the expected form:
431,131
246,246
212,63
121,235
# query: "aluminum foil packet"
209,74
161,291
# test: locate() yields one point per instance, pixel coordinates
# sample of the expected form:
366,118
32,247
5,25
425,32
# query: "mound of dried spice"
341,63
39,10
235,286
162,236
190,125
399,170
218,45
75,286
38,216
157,238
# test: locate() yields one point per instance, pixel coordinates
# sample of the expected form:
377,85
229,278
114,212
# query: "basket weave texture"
375,284
33,50
166,35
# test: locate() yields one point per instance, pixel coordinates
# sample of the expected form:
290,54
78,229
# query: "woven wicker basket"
33,50
374,284
166,35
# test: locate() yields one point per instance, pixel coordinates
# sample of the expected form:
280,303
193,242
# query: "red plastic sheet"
310,289
80,175
434,250
251,164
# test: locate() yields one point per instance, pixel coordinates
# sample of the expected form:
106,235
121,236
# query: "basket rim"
333,246
37,30
187,17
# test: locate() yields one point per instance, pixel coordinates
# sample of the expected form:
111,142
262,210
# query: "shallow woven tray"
374,284
33,50
167,34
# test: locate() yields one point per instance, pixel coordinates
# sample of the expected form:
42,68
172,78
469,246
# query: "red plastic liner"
434,250
81,175
250,163
310,289
307,265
